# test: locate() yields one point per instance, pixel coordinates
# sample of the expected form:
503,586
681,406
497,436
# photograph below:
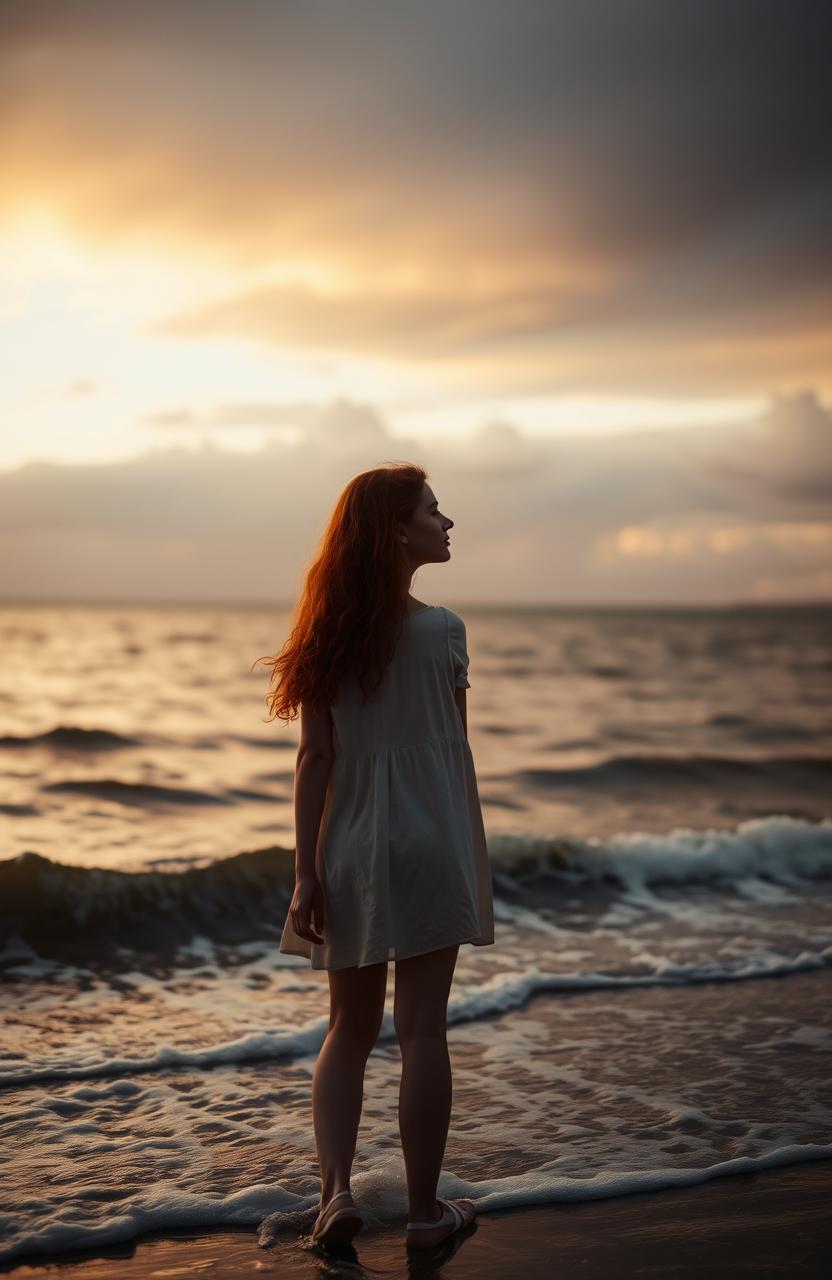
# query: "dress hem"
478,941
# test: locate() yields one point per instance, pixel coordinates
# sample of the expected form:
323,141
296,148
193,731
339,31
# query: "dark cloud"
575,195
719,105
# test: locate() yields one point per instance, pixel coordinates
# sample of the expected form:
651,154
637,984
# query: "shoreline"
774,1222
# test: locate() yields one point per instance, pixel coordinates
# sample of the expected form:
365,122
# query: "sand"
774,1223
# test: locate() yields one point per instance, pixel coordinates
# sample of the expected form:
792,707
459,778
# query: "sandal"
340,1226
452,1216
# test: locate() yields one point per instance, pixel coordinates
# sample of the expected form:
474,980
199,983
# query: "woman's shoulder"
454,619
449,619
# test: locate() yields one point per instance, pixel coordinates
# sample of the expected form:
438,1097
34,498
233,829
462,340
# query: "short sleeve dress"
401,854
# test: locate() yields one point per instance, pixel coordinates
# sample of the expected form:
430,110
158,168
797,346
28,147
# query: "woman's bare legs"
356,1010
423,985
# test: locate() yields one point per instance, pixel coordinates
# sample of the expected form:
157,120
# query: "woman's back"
414,704
402,856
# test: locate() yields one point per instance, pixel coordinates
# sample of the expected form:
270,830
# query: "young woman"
391,859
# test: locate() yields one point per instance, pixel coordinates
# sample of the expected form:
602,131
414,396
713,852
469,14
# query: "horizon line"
530,606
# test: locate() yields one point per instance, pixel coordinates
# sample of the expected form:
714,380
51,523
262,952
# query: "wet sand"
773,1223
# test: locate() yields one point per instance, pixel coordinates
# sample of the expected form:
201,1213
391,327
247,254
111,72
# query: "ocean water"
657,794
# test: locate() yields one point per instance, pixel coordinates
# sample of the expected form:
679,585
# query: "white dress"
401,853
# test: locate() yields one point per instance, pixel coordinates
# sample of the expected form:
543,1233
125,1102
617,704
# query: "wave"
544,1184
72,738
628,770
780,849
78,913
82,913
467,1004
137,794
274,1209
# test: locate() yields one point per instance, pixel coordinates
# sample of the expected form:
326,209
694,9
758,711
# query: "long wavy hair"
348,619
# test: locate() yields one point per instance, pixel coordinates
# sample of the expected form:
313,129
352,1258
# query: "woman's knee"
423,984
358,1023
417,1026
357,1002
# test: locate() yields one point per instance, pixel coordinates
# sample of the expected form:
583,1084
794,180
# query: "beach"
687,1120
641,1061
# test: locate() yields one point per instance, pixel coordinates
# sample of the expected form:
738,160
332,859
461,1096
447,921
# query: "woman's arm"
312,770
461,700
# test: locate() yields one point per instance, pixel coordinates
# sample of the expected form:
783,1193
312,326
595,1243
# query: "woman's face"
427,532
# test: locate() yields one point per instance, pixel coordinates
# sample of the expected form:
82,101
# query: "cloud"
247,413
401,324
691,515
340,427
789,455
626,198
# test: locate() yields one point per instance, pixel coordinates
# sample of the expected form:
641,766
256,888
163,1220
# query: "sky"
574,258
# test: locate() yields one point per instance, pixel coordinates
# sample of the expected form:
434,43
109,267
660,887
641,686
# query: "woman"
391,859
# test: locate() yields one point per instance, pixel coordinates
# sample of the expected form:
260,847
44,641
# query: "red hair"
349,616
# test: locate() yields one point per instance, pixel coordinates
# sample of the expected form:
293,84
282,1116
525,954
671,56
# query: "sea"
656,786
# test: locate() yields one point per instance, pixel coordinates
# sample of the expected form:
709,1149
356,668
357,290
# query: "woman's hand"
308,903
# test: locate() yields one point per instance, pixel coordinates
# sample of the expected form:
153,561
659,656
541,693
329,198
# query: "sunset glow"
285,232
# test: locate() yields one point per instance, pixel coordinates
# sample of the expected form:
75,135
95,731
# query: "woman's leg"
423,984
356,1010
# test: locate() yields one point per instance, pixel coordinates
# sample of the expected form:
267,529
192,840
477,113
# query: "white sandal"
341,1226
452,1215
